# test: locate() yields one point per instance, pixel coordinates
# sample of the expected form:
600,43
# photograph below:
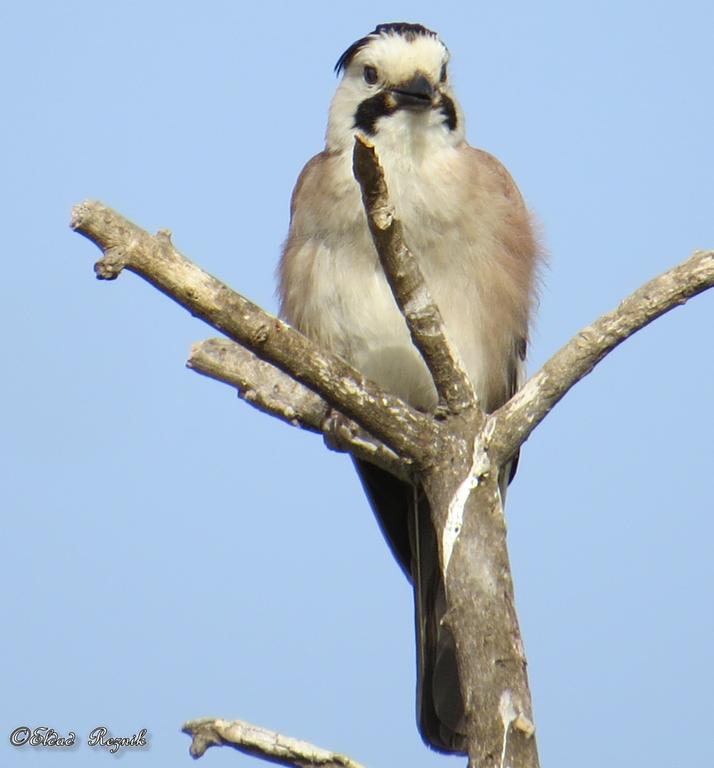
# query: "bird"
465,222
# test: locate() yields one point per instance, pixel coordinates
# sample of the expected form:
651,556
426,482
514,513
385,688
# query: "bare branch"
126,246
270,390
515,421
458,459
259,742
408,285
468,517
259,383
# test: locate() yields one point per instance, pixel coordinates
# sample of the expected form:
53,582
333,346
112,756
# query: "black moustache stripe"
370,110
448,109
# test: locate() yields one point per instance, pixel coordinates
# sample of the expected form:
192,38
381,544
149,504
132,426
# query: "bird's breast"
346,304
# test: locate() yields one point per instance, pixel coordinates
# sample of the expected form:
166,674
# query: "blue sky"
169,553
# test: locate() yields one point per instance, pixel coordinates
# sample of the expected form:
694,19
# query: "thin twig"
260,384
272,391
515,421
410,291
259,742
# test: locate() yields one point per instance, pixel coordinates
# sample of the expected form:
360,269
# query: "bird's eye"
370,75
443,73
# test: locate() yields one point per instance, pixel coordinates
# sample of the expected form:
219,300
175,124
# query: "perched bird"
466,224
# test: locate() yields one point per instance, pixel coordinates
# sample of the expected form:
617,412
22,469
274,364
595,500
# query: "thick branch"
408,285
126,246
261,743
468,517
272,391
515,421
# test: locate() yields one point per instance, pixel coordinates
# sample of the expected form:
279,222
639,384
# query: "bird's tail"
405,518
440,704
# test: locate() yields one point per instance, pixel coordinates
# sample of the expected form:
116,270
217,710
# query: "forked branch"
456,454
125,246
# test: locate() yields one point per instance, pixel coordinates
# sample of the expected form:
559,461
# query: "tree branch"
410,291
515,421
466,513
270,390
481,613
259,742
458,458
260,384
125,246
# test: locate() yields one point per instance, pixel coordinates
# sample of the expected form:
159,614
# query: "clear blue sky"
168,553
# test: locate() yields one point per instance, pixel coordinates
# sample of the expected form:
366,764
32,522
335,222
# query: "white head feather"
397,57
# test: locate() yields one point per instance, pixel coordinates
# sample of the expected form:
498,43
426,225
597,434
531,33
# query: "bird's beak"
417,94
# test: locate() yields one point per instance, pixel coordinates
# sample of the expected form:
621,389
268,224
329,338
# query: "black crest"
403,28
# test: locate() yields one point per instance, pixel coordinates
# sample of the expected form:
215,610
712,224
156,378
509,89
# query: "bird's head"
395,90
